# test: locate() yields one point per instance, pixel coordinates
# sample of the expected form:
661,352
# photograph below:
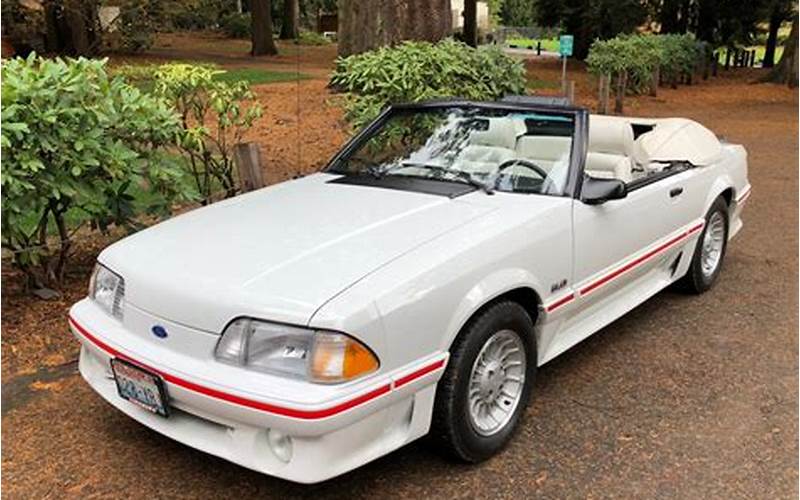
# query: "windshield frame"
577,154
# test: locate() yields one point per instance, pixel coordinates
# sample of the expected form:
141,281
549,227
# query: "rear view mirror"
598,191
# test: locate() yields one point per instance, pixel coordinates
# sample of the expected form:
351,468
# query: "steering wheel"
522,162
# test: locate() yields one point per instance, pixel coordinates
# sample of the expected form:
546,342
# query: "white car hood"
278,253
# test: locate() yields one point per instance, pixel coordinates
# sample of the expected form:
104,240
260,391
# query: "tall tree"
291,18
517,12
590,19
365,25
779,11
71,27
261,23
471,23
786,70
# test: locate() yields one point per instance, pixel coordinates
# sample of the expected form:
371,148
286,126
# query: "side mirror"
598,191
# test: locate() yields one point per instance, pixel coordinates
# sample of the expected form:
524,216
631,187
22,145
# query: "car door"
625,249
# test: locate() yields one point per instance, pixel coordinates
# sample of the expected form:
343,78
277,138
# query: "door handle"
675,192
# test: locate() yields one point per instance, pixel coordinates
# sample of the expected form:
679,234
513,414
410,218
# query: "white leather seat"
610,148
489,148
544,151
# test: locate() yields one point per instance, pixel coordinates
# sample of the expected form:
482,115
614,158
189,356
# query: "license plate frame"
140,386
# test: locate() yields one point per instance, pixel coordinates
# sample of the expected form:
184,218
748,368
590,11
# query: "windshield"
513,151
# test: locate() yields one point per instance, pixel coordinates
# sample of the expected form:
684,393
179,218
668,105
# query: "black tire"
452,430
695,281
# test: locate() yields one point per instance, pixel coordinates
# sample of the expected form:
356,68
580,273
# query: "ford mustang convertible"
410,288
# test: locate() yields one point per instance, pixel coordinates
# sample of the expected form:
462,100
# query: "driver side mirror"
599,191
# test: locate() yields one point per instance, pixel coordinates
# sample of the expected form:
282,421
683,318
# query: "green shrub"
639,55
416,71
681,53
194,14
214,119
312,38
236,25
75,144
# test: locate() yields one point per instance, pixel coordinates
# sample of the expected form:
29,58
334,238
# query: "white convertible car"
410,288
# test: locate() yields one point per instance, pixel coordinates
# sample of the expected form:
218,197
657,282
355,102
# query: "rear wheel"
487,384
710,251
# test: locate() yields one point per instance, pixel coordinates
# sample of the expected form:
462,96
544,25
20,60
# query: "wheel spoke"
496,382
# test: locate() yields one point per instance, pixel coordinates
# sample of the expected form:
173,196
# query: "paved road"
686,397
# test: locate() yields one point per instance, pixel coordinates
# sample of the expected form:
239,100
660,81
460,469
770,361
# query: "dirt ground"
685,397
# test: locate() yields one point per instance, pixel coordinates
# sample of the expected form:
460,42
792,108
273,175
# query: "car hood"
278,253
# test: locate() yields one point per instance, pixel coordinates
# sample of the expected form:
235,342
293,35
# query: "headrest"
501,133
610,135
543,147
616,166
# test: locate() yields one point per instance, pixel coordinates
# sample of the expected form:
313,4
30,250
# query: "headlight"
314,355
108,290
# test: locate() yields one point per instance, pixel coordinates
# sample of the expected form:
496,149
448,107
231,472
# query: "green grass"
256,76
548,44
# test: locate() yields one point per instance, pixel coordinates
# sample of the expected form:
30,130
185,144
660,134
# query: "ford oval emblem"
159,331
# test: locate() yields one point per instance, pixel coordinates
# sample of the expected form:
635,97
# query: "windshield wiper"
460,174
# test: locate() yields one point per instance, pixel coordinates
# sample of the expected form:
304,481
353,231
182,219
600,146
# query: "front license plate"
140,386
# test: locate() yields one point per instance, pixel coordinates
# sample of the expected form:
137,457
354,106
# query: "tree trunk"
775,19
291,17
53,41
707,20
622,81
71,27
365,26
786,70
603,92
669,16
471,23
654,80
77,26
261,22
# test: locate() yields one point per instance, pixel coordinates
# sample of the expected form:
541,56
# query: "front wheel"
710,251
486,386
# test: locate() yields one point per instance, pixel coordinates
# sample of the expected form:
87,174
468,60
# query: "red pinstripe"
639,260
258,405
630,265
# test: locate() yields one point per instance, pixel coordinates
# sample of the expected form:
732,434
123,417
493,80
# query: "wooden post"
602,97
248,162
570,91
539,48
752,58
715,64
655,78
727,58
622,80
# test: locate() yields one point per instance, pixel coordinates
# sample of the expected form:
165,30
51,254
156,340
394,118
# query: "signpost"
565,49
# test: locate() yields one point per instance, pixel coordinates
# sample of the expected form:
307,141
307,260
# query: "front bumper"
335,429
